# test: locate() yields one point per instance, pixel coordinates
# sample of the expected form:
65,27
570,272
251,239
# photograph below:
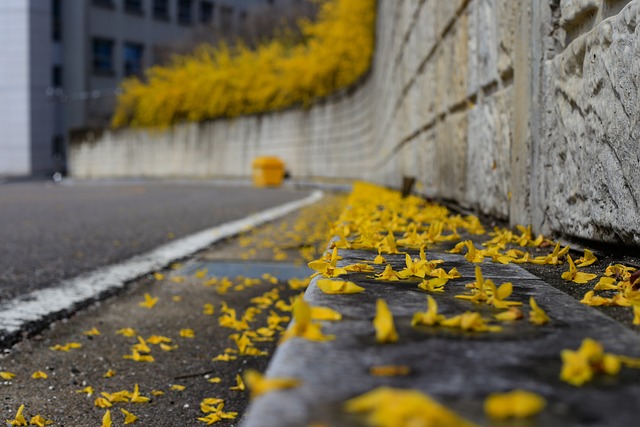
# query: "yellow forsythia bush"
226,82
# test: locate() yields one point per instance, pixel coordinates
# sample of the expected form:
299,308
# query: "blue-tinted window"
104,3
161,9
133,6
185,12
206,12
102,56
133,59
56,20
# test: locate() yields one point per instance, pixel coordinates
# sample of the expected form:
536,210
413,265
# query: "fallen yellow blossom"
578,367
259,385
66,347
127,332
338,287
129,418
39,375
389,407
513,404
433,285
587,259
7,375
19,419
106,419
576,276
325,313
217,414
92,332
383,323
537,315
40,421
512,314
469,321
429,317
148,302
302,326
388,274
239,384
187,333
389,371
88,390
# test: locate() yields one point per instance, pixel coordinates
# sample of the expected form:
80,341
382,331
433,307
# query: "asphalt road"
52,232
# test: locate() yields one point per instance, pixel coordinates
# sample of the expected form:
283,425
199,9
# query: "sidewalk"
450,360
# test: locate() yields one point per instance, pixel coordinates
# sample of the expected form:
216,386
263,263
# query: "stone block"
451,152
482,49
507,12
489,149
588,166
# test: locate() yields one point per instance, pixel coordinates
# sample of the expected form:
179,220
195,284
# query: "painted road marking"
38,306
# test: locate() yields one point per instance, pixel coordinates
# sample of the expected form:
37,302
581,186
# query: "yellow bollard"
268,171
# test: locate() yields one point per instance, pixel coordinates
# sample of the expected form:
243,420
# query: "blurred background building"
61,61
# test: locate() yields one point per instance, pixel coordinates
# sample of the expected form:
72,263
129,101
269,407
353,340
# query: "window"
103,56
133,59
226,13
56,20
185,12
133,6
56,76
104,3
161,9
206,12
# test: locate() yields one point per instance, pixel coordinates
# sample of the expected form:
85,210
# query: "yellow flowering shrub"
226,82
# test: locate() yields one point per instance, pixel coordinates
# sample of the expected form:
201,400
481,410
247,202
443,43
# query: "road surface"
52,232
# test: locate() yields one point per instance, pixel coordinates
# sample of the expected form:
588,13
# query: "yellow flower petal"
259,385
127,332
338,287
383,323
148,302
39,375
514,404
7,375
106,419
325,313
187,333
388,407
129,418
239,384
389,371
40,421
19,419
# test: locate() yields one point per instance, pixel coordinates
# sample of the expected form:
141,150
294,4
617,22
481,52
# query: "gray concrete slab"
457,368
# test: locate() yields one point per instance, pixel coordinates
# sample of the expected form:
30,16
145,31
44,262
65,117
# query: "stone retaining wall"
527,111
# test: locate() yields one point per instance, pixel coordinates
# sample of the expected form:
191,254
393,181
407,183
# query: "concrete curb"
459,369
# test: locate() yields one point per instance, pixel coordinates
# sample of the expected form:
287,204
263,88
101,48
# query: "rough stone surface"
589,165
489,147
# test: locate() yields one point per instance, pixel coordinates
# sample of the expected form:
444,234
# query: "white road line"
16,314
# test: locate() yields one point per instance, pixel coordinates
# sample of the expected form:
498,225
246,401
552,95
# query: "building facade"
61,62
